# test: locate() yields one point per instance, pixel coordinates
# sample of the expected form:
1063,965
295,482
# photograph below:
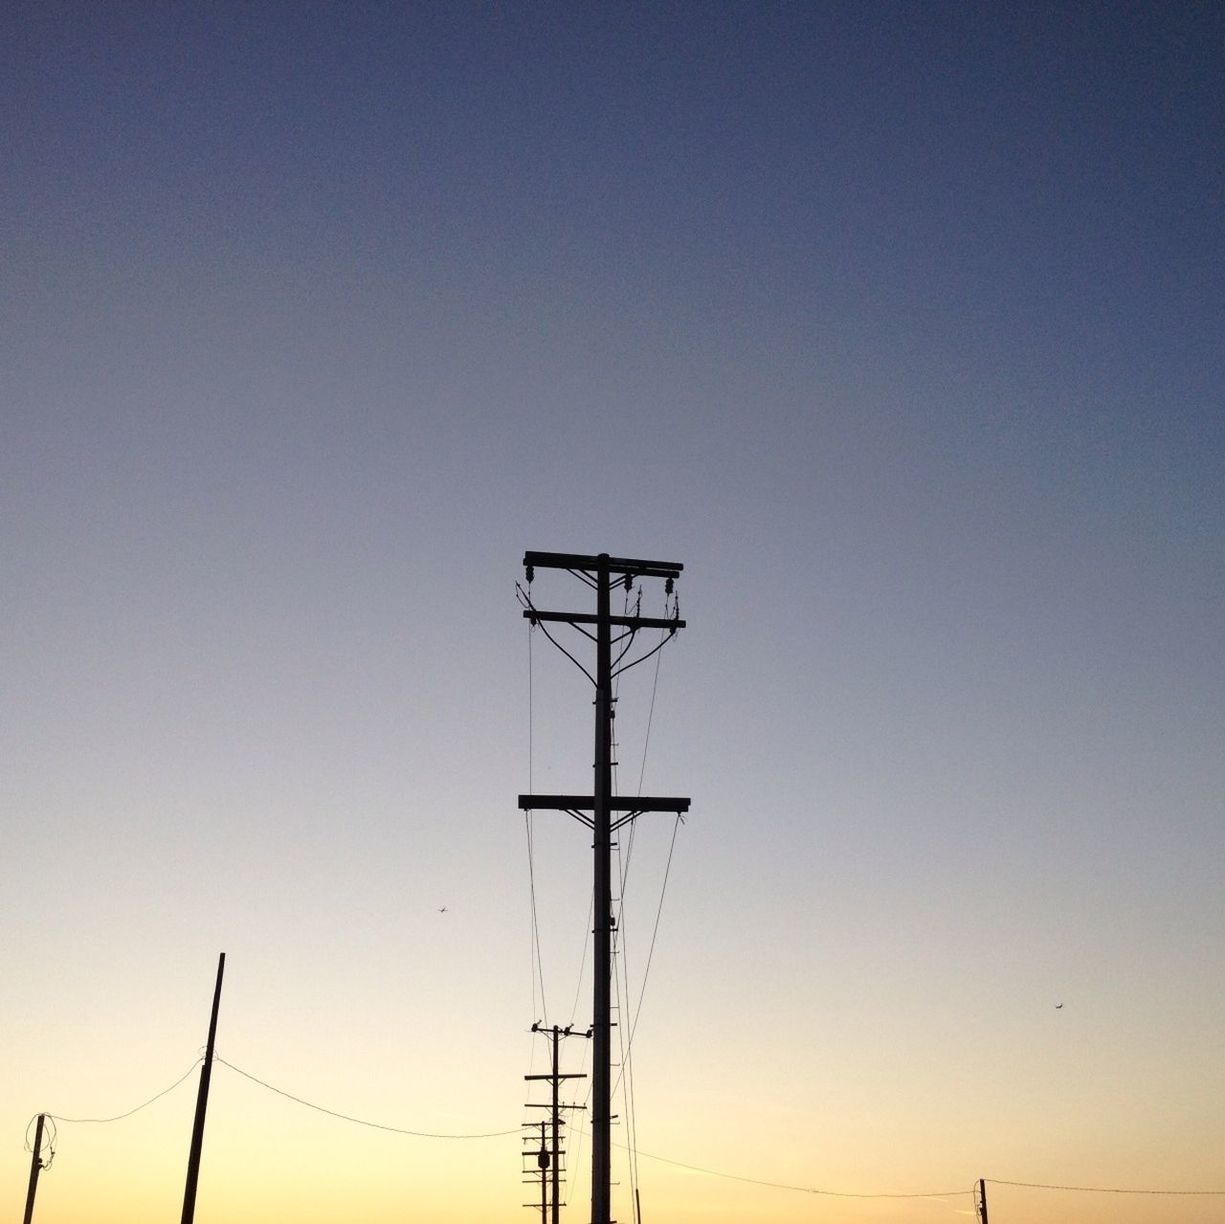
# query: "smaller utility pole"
539,1171
980,1200
197,1130
555,1035
543,1161
36,1167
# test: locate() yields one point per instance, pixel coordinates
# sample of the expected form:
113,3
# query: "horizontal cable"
757,1181
753,1181
120,1117
995,1181
395,1130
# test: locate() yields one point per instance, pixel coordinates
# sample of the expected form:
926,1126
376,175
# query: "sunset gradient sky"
900,325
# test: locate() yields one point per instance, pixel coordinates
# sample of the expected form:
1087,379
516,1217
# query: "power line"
538,962
395,1130
679,1164
995,1181
654,935
773,1185
756,1181
143,1105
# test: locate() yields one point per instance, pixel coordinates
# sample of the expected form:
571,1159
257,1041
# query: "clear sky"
900,325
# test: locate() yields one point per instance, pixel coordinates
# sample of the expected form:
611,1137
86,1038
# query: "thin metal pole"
197,1130
556,1130
601,1020
36,1165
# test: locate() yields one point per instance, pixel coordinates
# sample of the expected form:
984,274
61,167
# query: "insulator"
531,573
629,582
667,586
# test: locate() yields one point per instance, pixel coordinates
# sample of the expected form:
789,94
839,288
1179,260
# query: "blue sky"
899,325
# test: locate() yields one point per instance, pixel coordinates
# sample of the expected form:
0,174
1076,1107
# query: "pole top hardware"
614,565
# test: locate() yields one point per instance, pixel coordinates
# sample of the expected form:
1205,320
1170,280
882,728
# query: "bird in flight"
442,909
1059,1007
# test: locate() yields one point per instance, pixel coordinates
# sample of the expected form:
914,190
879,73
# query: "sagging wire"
851,1194
538,962
525,600
649,654
136,1109
620,965
666,635
626,1072
847,1194
626,1077
395,1130
995,1181
641,779
646,973
536,958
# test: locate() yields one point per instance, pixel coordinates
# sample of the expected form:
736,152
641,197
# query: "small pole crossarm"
616,565
571,1075
586,803
586,618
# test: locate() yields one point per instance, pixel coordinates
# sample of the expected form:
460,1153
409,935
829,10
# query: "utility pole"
36,1167
980,1200
197,1130
596,810
555,1035
542,1160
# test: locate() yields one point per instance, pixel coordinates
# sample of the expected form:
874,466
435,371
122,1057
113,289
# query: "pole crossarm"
586,803
614,565
586,618
578,807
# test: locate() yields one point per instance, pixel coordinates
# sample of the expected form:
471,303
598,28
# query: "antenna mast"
596,811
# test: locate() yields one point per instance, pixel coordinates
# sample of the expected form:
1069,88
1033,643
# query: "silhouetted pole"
982,1201
556,1130
601,804
197,1130
36,1165
543,1162
555,1034
601,1020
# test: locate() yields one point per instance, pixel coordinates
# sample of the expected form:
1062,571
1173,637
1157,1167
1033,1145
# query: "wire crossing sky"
417,1134
900,325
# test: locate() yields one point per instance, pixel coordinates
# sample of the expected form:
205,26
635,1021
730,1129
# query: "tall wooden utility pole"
602,572
36,1166
980,1201
197,1130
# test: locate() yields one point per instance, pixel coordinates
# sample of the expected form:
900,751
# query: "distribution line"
757,1181
679,1164
395,1130
995,1181
120,1117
